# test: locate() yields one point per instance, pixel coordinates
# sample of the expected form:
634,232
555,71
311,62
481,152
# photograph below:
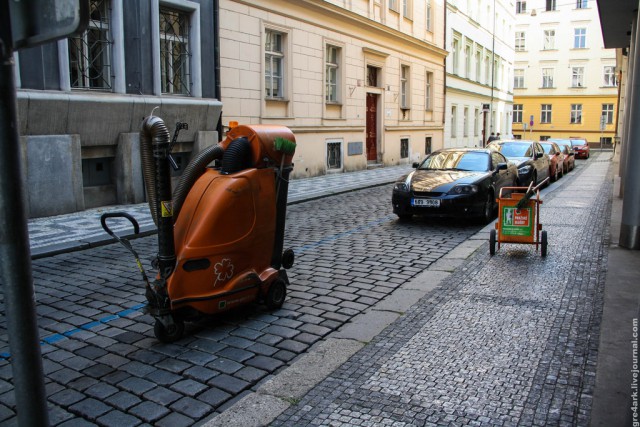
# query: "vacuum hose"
192,172
154,138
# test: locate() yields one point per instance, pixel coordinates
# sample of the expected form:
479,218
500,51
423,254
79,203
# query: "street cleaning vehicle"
519,218
221,232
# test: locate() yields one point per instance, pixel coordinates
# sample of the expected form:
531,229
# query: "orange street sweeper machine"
221,232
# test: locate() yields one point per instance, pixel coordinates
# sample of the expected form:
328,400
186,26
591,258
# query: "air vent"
533,12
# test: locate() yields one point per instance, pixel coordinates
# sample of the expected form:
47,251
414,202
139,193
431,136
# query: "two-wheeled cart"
519,219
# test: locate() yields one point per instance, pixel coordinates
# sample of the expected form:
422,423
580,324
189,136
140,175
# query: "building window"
476,123
427,145
465,122
97,172
174,51
454,121
521,6
90,52
518,79
549,39
517,113
274,64
607,112
520,41
610,79
372,76
576,113
577,76
580,38
551,5
456,53
467,61
404,148
487,70
393,5
428,101
545,113
478,66
334,155
429,17
332,73
405,74
581,4
547,78
407,7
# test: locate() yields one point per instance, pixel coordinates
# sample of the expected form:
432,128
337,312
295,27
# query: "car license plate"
429,203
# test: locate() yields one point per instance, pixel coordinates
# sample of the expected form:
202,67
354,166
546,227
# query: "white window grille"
429,17
610,79
454,121
520,41
518,79
551,5
274,64
577,76
547,78
607,112
521,6
517,113
428,101
576,113
549,39
545,113
404,86
580,38
581,4
332,73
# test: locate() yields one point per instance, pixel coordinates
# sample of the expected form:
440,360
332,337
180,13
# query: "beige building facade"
359,82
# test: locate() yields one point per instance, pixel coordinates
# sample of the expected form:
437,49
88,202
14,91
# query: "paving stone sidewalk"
503,341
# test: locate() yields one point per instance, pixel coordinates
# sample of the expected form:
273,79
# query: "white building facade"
359,82
479,81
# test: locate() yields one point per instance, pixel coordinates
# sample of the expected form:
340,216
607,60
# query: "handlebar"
105,216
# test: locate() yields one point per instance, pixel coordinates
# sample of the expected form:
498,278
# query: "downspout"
493,65
444,61
216,54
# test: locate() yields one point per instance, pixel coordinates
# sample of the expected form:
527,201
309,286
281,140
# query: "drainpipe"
216,54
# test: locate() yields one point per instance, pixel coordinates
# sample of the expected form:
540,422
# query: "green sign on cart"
517,222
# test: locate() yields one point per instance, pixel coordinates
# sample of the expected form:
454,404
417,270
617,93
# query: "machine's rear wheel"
543,243
288,257
276,294
169,334
492,242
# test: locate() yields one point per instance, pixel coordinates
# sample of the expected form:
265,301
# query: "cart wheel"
276,294
543,243
492,242
288,257
168,334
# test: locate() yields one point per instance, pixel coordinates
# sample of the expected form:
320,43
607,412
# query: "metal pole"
493,64
15,261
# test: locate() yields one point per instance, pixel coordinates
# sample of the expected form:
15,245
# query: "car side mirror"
538,155
502,167
415,165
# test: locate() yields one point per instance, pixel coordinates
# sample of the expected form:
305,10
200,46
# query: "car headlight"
463,189
401,186
524,169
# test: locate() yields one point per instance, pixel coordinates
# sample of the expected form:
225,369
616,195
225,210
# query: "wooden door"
372,127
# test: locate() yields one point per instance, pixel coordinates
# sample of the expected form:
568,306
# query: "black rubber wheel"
487,214
492,242
543,243
171,334
276,294
288,258
404,217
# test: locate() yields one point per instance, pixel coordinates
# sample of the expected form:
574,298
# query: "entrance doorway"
372,128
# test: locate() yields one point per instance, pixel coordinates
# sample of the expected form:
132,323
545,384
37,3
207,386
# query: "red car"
580,147
556,159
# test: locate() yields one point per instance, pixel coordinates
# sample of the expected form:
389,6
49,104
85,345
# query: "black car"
528,156
455,182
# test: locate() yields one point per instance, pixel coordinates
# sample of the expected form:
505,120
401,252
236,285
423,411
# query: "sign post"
603,126
531,126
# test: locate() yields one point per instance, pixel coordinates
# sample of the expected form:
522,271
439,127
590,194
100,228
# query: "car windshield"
577,142
546,147
457,160
515,149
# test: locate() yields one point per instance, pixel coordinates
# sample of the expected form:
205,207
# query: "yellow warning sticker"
167,208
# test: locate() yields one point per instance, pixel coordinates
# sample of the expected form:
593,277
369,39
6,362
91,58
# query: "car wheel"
487,214
404,216
543,243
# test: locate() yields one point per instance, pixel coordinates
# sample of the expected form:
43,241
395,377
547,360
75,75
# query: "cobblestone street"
103,365
505,340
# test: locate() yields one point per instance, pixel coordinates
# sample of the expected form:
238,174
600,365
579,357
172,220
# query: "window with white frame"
90,52
579,38
610,79
487,70
467,61
581,4
428,90
332,73
393,5
454,121
517,113
607,112
407,9
175,54
476,122
551,5
547,78
576,113
478,65
465,128
549,39
577,76
334,154
405,73
274,64
429,17
520,41
455,47
521,6
545,113
518,78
